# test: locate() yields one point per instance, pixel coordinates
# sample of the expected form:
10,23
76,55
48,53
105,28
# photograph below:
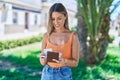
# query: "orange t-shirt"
65,49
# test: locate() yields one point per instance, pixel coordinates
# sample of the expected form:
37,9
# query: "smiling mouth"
56,25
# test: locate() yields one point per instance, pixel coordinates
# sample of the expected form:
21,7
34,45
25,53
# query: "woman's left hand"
61,61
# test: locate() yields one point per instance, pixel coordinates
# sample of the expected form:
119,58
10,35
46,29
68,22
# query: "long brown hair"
57,7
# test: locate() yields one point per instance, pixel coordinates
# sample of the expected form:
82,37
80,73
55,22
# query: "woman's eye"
56,19
52,19
59,18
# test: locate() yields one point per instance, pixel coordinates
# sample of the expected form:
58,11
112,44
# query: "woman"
60,39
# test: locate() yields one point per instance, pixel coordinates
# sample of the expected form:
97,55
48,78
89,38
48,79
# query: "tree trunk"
96,50
105,36
82,33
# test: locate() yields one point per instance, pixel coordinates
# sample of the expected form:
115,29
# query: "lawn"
23,64
109,69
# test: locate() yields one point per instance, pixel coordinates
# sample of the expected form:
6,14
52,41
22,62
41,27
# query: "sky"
117,10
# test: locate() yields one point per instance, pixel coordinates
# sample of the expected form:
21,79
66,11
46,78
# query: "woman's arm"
42,59
75,52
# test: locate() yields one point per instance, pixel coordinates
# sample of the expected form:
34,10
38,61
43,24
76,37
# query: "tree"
93,27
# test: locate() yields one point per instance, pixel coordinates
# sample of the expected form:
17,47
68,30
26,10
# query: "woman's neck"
60,30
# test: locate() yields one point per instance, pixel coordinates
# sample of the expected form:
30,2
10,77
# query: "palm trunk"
82,33
103,41
93,28
95,50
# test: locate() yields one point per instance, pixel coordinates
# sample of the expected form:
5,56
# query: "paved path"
17,35
21,35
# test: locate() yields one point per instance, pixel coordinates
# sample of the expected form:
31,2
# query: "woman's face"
58,20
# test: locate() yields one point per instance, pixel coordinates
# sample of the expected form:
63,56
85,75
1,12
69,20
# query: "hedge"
7,44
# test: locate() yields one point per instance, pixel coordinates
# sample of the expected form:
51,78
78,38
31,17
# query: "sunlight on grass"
25,64
2,78
12,70
108,69
113,50
22,52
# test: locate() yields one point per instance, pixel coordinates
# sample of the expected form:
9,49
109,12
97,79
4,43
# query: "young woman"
59,38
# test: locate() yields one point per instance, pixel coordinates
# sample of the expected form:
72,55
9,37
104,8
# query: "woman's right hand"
43,59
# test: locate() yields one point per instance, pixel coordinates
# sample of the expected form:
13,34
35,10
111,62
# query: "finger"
42,56
60,59
56,60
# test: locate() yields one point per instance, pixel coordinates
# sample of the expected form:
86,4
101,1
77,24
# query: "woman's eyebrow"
57,17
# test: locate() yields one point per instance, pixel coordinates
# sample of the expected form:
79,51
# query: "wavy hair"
57,7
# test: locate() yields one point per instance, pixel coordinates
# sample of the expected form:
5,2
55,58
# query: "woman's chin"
57,28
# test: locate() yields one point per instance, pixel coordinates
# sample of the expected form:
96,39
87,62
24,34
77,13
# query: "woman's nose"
56,21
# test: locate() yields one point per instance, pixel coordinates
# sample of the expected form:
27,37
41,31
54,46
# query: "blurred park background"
23,23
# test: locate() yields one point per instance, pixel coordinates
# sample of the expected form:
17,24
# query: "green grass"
109,69
23,64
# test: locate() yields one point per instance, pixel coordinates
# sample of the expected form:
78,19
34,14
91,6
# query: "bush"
111,38
74,29
7,44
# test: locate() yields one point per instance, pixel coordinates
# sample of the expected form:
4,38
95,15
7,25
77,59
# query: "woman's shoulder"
71,33
45,35
75,36
74,33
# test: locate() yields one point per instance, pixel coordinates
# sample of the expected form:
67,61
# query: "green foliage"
17,75
97,19
93,12
74,29
111,38
26,63
108,69
7,44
